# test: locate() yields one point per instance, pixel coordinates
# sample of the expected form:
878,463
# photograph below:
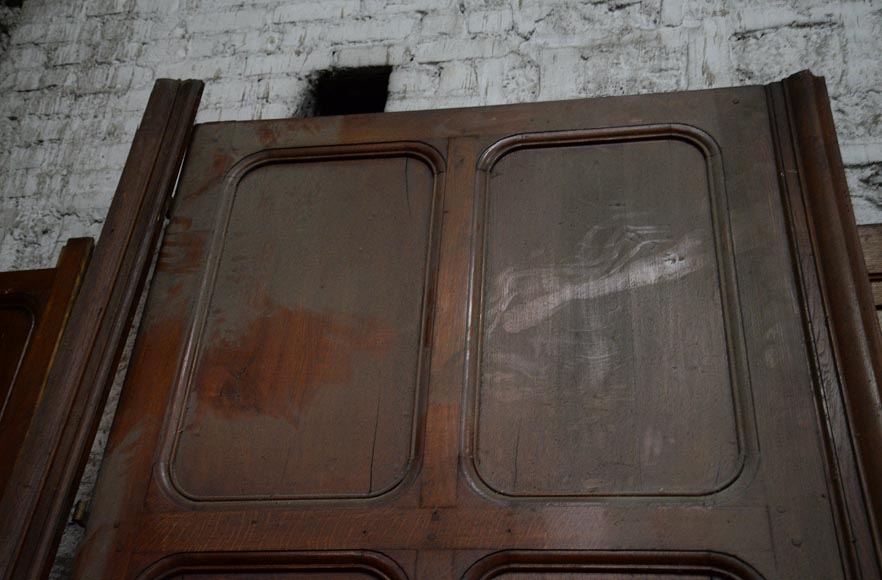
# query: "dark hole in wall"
9,11
348,91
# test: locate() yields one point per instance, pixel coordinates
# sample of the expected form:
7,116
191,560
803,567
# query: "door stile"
41,490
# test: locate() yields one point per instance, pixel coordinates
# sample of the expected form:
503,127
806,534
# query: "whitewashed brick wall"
75,76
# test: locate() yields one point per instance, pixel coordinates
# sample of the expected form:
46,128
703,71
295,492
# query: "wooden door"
597,339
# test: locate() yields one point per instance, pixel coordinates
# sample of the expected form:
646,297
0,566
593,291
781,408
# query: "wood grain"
596,378
629,366
871,247
856,340
312,390
34,308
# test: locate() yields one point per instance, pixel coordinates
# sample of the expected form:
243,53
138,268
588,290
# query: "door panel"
278,576
560,340
307,368
597,377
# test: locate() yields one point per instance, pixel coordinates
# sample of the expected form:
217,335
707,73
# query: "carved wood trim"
736,349
352,561
839,314
47,296
716,565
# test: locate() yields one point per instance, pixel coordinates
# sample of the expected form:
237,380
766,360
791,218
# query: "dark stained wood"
584,339
871,246
40,490
279,566
551,565
564,575
325,365
17,321
839,301
295,575
595,377
34,306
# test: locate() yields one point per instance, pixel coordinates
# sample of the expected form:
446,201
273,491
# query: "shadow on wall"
9,11
346,91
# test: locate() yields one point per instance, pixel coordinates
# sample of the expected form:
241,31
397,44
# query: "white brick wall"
76,74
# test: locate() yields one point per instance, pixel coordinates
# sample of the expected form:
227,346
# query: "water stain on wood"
297,403
182,248
276,363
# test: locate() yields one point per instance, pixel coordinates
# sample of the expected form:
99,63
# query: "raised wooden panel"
309,348
598,376
551,565
356,565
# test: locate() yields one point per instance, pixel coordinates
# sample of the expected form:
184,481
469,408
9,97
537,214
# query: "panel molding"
722,566
739,378
374,563
24,304
167,478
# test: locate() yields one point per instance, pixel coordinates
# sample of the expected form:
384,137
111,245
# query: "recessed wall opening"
348,91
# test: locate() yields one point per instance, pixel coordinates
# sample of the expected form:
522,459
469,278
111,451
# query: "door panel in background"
34,307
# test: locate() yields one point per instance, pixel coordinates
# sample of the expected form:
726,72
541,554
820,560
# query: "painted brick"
356,56
414,81
373,29
458,78
448,49
441,24
760,55
489,21
303,12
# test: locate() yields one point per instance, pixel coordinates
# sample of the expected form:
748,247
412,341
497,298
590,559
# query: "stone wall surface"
75,76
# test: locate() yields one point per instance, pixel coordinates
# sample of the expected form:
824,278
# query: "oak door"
559,340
